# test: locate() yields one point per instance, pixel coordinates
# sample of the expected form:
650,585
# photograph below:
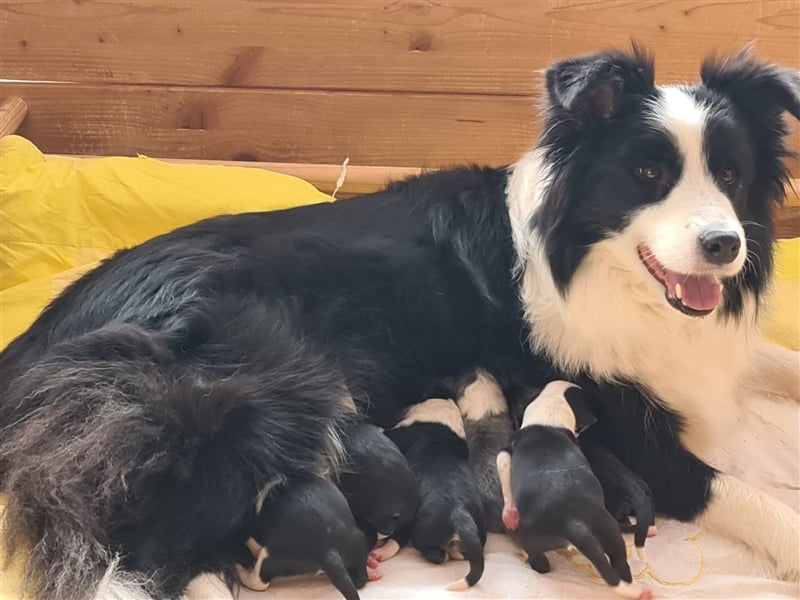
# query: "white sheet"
683,561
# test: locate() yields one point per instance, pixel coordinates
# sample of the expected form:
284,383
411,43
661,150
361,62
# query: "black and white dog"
630,252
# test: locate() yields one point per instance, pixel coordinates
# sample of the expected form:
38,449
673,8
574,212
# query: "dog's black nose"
720,246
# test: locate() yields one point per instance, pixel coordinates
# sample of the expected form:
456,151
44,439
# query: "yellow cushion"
782,322
60,216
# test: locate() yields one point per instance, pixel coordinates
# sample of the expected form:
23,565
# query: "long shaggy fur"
121,440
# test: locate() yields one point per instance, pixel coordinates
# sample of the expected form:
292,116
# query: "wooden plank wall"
387,82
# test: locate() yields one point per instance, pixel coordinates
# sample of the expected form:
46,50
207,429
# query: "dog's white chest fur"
615,324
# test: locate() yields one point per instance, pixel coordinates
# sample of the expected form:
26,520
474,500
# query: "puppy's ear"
755,87
578,401
593,86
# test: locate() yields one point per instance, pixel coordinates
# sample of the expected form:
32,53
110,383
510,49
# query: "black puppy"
625,493
450,520
304,527
552,498
487,426
379,485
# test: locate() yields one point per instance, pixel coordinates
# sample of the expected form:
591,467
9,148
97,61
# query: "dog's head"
674,185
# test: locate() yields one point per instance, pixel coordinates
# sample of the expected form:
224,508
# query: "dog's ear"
592,86
757,88
578,401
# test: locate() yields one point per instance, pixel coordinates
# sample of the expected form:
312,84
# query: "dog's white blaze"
435,410
551,408
670,228
764,523
616,324
482,398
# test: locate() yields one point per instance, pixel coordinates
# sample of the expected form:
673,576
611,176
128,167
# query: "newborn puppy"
487,426
379,485
625,493
450,519
304,527
552,498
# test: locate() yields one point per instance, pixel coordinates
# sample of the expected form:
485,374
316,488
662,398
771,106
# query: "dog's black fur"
450,520
625,493
377,481
150,402
307,526
560,501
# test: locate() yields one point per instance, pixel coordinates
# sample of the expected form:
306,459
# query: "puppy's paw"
387,551
373,575
510,518
251,579
634,591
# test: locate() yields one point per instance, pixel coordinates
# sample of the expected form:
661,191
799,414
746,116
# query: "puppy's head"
560,404
671,185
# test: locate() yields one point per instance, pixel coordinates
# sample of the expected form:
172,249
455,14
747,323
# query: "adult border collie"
629,251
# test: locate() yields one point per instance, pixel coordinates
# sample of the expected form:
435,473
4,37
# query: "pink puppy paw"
373,575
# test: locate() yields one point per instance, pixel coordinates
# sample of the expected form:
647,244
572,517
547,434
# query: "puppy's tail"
117,447
472,549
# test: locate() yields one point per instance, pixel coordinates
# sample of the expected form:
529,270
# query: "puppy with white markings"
379,485
304,527
487,427
552,498
450,520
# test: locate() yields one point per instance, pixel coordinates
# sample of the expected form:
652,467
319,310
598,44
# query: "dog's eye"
650,173
728,175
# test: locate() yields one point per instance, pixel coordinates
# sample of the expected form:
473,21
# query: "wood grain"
12,112
418,130
458,46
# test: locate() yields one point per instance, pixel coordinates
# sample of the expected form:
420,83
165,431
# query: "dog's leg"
763,523
774,371
588,545
646,438
510,512
334,568
538,562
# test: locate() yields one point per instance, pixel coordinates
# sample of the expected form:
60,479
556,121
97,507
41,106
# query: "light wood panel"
475,46
12,112
420,130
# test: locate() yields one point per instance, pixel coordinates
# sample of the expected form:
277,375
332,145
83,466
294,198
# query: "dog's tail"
472,549
120,447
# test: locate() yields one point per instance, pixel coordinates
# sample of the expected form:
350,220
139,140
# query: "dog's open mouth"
695,295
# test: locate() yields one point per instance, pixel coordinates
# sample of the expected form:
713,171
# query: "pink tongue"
698,293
